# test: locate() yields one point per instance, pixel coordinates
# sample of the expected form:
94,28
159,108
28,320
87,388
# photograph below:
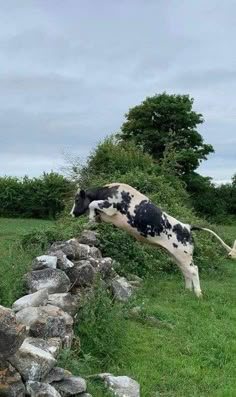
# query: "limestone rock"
32,362
12,334
82,274
121,288
70,386
66,301
84,251
44,262
38,389
57,374
81,251
121,386
63,262
11,384
39,298
54,280
95,253
65,246
89,237
46,321
51,345
105,268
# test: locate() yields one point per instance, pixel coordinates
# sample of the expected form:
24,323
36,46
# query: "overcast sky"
69,70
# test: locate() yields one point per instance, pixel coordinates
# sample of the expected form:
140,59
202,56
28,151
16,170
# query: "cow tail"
214,234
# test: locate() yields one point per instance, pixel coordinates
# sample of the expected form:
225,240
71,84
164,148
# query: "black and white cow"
132,211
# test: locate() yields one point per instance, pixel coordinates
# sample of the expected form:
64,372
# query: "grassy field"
194,358
198,356
14,262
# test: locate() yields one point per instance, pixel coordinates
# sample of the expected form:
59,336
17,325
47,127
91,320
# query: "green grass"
14,262
198,356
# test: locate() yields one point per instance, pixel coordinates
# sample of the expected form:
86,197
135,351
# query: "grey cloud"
70,70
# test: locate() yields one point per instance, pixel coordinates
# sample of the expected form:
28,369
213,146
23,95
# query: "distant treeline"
216,203
42,197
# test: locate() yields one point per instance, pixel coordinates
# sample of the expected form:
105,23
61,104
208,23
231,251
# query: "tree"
164,119
234,180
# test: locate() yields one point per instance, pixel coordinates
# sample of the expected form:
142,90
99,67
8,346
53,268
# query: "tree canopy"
165,119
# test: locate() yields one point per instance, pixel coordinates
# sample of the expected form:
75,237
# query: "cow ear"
82,194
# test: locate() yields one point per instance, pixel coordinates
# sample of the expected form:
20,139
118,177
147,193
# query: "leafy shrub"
216,203
101,327
42,197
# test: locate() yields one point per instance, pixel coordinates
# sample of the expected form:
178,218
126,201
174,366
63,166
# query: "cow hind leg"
192,278
190,272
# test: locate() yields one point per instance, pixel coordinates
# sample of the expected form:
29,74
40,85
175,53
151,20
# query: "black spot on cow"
175,245
169,236
124,205
148,219
102,193
182,234
105,204
185,252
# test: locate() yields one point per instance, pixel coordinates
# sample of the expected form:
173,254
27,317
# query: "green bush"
216,203
42,197
101,326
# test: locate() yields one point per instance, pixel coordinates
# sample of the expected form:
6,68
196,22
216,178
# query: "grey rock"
54,280
63,262
121,386
81,251
12,334
105,268
94,262
51,345
46,321
84,251
70,386
44,262
66,301
89,237
95,253
32,362
38,389
57,374
39,298
121,288
82,274
11,384
65,246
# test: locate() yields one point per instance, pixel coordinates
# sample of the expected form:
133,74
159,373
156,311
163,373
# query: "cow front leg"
100,206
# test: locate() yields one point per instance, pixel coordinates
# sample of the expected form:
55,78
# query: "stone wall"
40,323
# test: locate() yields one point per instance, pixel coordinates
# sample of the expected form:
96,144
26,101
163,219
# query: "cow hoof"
198,293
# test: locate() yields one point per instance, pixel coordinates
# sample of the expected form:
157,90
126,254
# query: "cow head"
232,252
81,203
